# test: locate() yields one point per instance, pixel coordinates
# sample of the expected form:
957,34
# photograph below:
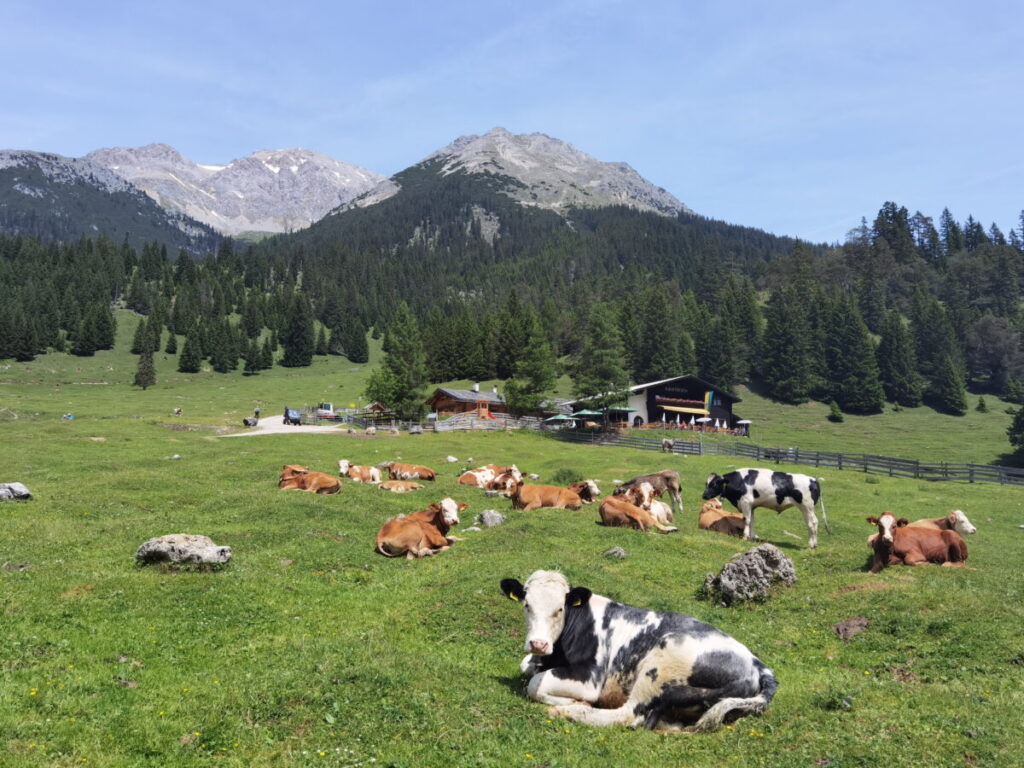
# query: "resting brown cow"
400,486
624,511
666,480
298,478
900,544
421,533
399,471
529,497
587,490
956,520
714,518
478,478
358,473
503,482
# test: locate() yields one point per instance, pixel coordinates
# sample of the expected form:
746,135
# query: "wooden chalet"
447,402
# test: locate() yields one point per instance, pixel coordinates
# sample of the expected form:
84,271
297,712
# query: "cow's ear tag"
577,603
513,597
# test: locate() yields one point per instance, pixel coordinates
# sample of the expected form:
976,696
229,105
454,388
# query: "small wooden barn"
447,402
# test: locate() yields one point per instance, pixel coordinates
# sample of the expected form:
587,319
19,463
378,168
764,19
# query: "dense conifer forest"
905,311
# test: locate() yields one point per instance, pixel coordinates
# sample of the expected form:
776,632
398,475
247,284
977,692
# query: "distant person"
256,412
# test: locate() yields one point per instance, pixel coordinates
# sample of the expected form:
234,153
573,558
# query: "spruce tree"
321,341
145,374
298,338
172,344
897,363
599,376
853,378
948,392
357,350
658,356
1015,432
84,345
191,357
787,361
266,355
252,359
398,383
141,341
536,373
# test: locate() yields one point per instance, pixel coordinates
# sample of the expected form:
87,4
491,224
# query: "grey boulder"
750,576
182,548
10,491
489,518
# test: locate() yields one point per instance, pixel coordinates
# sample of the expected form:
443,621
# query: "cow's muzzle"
540,647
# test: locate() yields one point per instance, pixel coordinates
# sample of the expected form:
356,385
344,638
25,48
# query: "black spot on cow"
653,674
575,650
757,493
717,669
751,477
784,488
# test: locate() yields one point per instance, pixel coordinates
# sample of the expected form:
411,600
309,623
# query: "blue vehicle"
292,416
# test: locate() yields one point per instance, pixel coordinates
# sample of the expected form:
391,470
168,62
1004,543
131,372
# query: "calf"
747,489
898,543
530,497
400,486
587,490
298,478
499,470
666,480
667,445
422,533
956,520
399,471
478,478
714,518
601,662
358,473
632,510
504,482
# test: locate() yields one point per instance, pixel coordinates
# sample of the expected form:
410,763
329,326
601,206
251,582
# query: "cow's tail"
737,707
821,501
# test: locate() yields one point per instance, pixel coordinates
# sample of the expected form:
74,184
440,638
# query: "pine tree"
1015,432
84,344
298,338
145,374
266,355
141,340
398,383
787,362
658,357
952,235
599,376
252,359
191,357
852,365
357,350
224,354
536,373
321,341
172,344
948,393
897,363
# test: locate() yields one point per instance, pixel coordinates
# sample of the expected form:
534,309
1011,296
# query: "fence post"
840,460
970,473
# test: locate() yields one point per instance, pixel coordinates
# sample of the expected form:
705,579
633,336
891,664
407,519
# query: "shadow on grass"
516,685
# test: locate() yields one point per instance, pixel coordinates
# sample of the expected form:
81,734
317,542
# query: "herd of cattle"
601,662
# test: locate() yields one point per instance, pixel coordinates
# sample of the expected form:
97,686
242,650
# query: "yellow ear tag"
577,604
513,597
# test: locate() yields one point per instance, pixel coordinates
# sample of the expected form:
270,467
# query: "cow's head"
711,506
290,470
958,520
714,486
546,598
343,466
887,524
449,510
641,495
512,489
516,474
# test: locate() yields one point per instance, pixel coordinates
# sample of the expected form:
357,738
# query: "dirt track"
277,427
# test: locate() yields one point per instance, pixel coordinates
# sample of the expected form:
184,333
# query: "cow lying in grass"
601,662
587,490
399,471
632,509
400,486
956,520
897,543
666,480
420,534
298,478
530,497
358,473
714,518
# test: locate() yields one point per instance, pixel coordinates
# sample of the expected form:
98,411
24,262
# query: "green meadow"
310,649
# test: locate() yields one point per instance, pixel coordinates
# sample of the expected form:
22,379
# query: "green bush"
565,476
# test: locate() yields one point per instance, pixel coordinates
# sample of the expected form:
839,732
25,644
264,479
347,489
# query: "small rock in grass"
451,459
9,491
490,518
492,494
617,552
471,529
182,548
534,476
850,627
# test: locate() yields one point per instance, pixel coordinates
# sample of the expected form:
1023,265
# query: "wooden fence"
855,462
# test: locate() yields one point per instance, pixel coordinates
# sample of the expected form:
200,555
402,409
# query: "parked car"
325,410
292,416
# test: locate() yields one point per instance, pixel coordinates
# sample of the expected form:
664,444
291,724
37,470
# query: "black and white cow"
601,662
748,489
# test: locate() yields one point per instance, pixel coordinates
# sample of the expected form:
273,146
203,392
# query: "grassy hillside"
309,649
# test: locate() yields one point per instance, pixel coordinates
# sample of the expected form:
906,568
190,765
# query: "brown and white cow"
956,520
478,478
530,497
422,533
299,478
900,544
357,472
400,486
587,490
504,482
714,518
631,509
666,480
399,471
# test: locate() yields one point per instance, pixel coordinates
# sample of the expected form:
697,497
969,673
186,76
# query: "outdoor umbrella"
587,413
691,421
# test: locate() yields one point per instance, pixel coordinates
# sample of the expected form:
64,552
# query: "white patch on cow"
343,465
449,511
886,526
544,607
594,490
961,524
662,512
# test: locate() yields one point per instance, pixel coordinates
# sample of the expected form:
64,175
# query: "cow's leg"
531,506
548,688
747,510
583,713
812,524
677,501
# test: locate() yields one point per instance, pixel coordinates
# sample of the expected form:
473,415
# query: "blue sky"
795,117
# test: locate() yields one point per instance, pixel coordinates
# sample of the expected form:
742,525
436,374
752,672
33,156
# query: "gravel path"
276,427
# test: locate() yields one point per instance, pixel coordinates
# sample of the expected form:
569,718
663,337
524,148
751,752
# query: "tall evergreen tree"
787,363
948,392
658,356
172,344
952,235
852,365
600,378
357,350
298,338
897,363
145,373
536,373
266,355
399,382
252,359
321,341
191,357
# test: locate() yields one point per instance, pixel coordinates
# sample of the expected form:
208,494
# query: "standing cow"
747,489
600,662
